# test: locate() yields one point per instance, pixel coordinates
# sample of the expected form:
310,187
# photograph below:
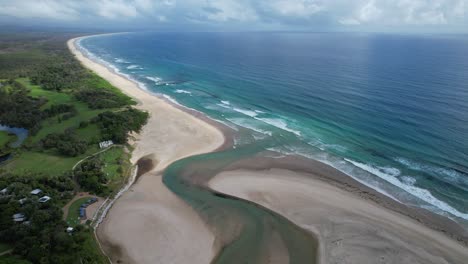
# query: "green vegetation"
9,259
68,110
117,125
5,139
41,236
4,247
73,217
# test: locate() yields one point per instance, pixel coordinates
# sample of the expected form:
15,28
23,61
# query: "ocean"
391,111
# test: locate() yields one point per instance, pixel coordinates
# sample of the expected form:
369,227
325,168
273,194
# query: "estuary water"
390,111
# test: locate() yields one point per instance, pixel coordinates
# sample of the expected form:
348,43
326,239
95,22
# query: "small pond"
20,133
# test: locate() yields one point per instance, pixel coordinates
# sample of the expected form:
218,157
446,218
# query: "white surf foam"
246,123
120,60
134,67
279,123
179,91
388,174
245,111
449,175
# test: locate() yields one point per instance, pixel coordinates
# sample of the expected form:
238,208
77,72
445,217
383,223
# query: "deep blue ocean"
389,110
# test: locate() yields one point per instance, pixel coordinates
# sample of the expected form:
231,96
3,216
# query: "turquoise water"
389,110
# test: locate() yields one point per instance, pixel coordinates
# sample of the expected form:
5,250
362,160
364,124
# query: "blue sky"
242,15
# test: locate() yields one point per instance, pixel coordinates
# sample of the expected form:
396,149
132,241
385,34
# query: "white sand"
350,229
149,224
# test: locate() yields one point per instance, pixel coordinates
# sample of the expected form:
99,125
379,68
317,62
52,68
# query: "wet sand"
149,224
354,224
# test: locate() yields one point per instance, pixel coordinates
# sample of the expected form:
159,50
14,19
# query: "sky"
241,15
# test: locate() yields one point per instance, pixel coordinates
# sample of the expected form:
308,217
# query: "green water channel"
246,227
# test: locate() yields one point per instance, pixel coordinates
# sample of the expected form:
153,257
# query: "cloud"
52,9
250,14
112,9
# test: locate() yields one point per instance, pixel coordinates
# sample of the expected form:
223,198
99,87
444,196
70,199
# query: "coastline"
353,223
149,216
145,218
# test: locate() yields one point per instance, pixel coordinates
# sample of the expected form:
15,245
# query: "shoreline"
345,215
148,215
149,189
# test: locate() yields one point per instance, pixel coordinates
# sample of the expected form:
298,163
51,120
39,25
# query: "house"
22,201
44,199
4,191
19,217
36,191
106,144
69,229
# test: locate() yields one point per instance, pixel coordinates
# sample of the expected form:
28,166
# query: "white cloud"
113,9
301,8
369,12
39,9
286,13
230,10
349,21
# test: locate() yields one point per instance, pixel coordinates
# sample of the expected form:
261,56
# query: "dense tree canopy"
18,109
116,125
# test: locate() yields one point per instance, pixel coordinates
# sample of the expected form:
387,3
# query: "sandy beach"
149,224
353,223
350,228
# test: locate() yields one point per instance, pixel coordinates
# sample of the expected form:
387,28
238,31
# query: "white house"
44,199
4,191
36,191
105,144
19,217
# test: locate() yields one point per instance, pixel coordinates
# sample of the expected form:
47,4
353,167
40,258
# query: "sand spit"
353,224
149,224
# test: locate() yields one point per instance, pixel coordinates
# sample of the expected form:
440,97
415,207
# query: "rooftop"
36,191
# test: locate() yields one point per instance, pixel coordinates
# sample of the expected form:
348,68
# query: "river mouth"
244,230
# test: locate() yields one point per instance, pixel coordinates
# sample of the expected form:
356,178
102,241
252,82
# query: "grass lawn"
73,216
4,247
8,259
49,162
6,138
92,249
46,163
52,125
114,159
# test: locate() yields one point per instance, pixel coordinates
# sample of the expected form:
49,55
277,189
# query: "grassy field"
48,162
8,259
45,163
52,125
117,166
6,138
4,247
73,217
91,247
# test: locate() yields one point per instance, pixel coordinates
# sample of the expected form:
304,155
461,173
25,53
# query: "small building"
36,191
69,229
19,217
4,191
106,144
44,199
22,201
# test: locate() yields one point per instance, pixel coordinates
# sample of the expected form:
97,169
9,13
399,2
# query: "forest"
67,110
